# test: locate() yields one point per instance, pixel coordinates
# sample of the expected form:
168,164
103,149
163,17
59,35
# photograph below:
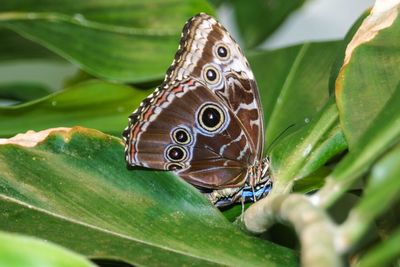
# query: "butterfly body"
205,121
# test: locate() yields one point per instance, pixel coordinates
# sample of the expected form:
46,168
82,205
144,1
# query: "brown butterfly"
205,121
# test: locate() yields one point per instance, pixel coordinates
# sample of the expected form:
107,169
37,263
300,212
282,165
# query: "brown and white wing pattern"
205,121
187,129
208,52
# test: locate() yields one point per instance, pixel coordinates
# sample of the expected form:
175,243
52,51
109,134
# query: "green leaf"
370,73
313,181
118,40
17,251
293,84
382,134
381,193
383,253
383,186
23,91
233,212
14,47
79,77
258,20
49,73
154,14
27,68
96,104
303,152
73,188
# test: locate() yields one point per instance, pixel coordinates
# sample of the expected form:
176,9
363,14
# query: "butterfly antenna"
279,136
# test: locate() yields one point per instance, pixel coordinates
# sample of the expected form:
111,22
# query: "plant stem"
315,229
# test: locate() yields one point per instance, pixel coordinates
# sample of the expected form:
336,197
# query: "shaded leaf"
101,105
258,20
17,251
293,84
73,188
116,40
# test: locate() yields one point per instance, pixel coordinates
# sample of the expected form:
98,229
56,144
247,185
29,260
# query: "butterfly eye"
222,51
176,153
211,75
211,117
174,167
181,136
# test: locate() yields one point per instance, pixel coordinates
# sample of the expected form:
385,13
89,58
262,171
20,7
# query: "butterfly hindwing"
173,131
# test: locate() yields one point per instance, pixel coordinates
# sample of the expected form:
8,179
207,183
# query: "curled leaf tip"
382,16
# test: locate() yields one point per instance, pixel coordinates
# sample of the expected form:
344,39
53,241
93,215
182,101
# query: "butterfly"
205,121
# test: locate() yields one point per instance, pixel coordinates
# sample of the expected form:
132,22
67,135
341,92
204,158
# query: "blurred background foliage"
332,129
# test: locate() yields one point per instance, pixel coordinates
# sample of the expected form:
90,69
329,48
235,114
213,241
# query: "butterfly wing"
208,52
205,121
186,128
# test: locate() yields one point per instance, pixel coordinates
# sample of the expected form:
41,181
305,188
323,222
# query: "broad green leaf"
382,133
381,193
96,104
258,19
306,150
370,72
23,91
293,84
73,188
116,40
20,251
